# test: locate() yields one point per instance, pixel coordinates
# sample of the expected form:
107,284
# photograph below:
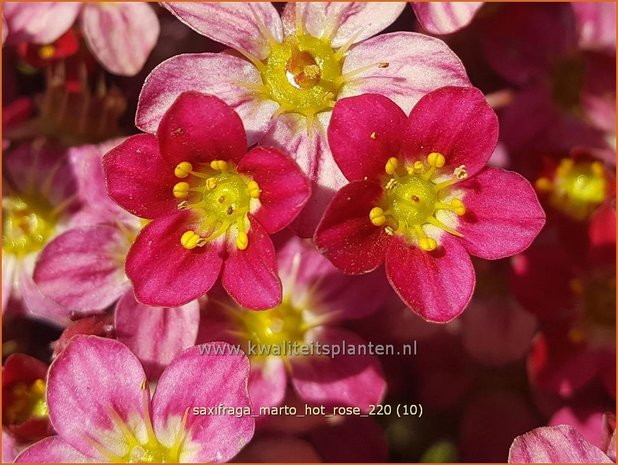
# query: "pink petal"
37,305
284,188
154,334
417,64
139,179
436,285
445,17
39,22
555,444
9,264
212,73
268,382
120,35
503,214
208,380
343,380
598,93
345,234
246,27
342,21
53,449
596,24
250,276
201,128
93,377
163,272
82,268
455,121
364,132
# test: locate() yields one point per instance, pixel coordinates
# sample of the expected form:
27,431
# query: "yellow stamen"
254,189
219,165
47,51
543,185
460,172
181,190
183,169
189,240
376,216
436,159
391,166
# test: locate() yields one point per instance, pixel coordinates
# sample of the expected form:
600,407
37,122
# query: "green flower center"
27,401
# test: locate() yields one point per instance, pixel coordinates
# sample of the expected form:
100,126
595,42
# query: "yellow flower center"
221,197
27,402
414,198
576,189
274,327
27,224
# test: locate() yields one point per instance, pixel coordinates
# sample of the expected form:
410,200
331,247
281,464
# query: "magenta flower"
445,17
99,404
120,35
213,205
420,198
295,68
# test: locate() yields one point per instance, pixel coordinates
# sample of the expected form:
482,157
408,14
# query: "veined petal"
248,27
268,382
39,22
53,449
445,17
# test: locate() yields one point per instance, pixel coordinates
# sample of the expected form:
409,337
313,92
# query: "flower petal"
213,73
39,22
284,190
109,29
345,234
163,272
503,214
248,27
154,334
341,21
139,179
338,380
268,382
445,17
364,132
82,268
596,24
200,128
37,305
9,265
250,275
93,378
417,64
204,379
52,449
554,444
436,285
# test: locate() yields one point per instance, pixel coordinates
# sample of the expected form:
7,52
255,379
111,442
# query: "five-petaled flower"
213,205
420,198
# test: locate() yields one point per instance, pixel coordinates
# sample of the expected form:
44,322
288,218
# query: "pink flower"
421,199
445,17
99,404
295,68
120,35
213,205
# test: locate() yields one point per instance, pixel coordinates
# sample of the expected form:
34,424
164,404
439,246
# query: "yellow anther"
373,136
391,184
47,51
242,240
597,169
458,207
391,165
254,189
376,216
181,190
543,185
428,244
38,387
219,165
183,169
211,183
190,240
389,231
460,172
436,159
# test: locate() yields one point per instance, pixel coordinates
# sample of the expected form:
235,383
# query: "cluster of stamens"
412,198
220,196
27,401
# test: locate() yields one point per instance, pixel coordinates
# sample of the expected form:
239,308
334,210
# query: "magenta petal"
139,179
53,449
36,304
39,22
250,276
9,451
82,268
352,380
417,64
199,128
284,189
163,272
445,17
596,24
87,382
555,444
217,74
156,335
244,26
120,35
267,383
346,235
455,121
364,132
197,378
503,215
436,285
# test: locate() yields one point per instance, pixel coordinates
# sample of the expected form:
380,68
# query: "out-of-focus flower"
295,68
9,449
445,17
213,205
100,405
410,201
121,35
